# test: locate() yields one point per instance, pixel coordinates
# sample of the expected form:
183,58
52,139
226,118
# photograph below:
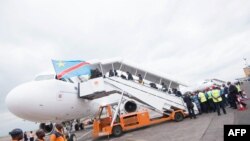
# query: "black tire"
76,127
178,116
72,137
81,126
117,131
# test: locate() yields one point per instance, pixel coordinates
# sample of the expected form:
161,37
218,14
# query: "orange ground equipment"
102,123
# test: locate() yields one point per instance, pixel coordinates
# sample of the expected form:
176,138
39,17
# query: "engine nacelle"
47,128
130,106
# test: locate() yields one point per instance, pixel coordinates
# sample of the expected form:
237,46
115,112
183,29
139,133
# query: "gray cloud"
189,40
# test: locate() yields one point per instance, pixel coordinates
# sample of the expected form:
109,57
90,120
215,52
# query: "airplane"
207,83
47,100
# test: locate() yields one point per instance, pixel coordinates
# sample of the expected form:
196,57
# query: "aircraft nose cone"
15,100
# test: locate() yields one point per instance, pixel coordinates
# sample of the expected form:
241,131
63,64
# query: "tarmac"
207,127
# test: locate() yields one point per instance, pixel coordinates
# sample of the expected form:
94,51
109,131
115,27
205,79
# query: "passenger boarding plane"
47,100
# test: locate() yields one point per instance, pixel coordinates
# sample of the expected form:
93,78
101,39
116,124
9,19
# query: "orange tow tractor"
102,125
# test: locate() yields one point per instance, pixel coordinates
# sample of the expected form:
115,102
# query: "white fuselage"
49,101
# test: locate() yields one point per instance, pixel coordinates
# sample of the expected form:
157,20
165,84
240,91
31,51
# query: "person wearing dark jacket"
153,85
232,95
116,74
123,77
178,93
130,77
95,73
25,137
111,73
174,91
190,106
164,87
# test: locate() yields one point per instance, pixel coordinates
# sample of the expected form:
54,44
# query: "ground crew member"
203,101
58,134
16,134
211,106
218,100
238,88
40,135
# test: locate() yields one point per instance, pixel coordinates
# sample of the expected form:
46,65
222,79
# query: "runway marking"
84,135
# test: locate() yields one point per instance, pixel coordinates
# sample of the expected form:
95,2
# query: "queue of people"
57,135
95,73
140,80
215,99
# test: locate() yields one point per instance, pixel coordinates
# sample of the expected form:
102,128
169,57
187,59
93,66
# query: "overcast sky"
190,40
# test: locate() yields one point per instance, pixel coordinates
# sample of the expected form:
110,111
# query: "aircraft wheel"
117,131
72,137
76,127
178,116
81,126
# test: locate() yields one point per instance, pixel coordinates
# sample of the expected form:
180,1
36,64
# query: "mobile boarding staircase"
157,100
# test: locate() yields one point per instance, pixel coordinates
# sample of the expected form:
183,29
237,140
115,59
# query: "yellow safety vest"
209,94
238,88
202,97
216,96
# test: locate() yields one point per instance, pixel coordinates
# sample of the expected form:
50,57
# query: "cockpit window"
45,77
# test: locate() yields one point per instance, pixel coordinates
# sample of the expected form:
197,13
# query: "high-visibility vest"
202,97
238,88
216,96
209,94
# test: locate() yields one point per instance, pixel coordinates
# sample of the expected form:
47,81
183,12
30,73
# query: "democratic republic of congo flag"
67,69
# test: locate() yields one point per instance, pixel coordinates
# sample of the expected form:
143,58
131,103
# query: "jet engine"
130,106
47,128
